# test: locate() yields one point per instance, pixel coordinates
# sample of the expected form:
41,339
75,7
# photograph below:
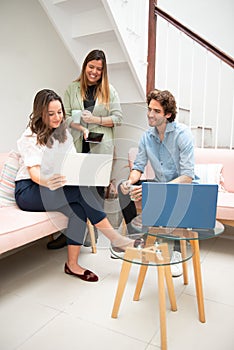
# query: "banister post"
150,80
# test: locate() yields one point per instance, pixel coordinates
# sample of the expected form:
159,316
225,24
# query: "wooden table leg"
126,266
140,282
168,277
159,256
141,277
170,287
162,307
184,264
198,279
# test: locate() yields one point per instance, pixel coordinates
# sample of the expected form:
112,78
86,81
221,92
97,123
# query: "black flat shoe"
59,242
88,276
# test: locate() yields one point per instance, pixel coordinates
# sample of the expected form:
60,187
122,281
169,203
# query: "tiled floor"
41,308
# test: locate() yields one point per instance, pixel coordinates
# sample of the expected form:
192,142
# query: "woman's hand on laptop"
56,181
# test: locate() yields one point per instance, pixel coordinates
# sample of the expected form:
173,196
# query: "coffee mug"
134,197
76,114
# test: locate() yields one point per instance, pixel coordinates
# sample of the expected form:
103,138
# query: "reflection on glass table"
179,233
188,233
147,242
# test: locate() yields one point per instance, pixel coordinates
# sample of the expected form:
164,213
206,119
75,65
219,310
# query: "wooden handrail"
150,81
220,54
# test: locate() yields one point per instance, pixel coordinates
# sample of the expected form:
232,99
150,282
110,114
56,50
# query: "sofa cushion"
224,156
225,206
210,174
20,227
7,180
24,219
3,157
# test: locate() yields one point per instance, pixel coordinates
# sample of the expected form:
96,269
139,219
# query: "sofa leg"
92,236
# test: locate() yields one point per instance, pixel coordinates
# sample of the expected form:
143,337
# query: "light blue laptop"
179,205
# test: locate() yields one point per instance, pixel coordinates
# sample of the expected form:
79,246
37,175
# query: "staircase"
97,24
201,83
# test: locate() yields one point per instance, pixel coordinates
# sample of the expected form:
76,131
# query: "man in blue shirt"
168,146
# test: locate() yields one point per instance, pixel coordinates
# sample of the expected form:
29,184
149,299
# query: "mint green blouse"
73,101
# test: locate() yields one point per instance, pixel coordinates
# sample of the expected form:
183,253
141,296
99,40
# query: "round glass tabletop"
179,233
187,234
150,250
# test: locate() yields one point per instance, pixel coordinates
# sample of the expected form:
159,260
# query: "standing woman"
91,104
92,92
38,188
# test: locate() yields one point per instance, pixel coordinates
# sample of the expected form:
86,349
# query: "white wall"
32,57
211,19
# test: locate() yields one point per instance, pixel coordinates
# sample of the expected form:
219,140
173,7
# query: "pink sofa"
18,227
225,205
224,159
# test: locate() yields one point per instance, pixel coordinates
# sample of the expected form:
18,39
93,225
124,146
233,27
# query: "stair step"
79,6
92,21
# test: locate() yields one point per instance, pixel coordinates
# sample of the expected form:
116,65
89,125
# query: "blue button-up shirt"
172,157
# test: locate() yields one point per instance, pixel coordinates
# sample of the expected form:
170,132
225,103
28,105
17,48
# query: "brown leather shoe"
58,243
88,276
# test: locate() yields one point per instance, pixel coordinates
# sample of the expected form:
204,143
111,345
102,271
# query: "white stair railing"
202,83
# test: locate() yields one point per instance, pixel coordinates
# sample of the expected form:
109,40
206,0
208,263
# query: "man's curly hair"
166,100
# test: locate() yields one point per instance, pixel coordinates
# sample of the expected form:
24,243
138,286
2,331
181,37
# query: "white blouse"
32,154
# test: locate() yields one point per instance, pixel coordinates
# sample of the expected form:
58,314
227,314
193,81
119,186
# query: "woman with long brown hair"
39,188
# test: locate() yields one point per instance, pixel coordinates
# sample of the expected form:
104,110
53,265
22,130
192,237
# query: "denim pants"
77,203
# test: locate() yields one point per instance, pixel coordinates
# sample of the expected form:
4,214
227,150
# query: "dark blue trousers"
77,203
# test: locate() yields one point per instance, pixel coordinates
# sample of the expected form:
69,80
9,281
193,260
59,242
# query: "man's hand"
56,181
136,192
125,186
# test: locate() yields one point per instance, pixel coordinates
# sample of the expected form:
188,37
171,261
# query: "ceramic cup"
76,114
133,197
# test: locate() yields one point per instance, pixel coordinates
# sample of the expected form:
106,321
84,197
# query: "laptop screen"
179,205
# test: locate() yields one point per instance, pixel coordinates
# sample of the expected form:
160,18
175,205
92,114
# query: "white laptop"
85,169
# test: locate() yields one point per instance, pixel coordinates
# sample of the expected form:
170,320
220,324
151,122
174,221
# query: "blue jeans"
77,203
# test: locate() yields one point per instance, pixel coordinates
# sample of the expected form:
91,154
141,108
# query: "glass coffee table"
193,236
156,252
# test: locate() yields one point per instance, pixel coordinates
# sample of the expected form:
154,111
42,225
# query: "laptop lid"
179,205
85,169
